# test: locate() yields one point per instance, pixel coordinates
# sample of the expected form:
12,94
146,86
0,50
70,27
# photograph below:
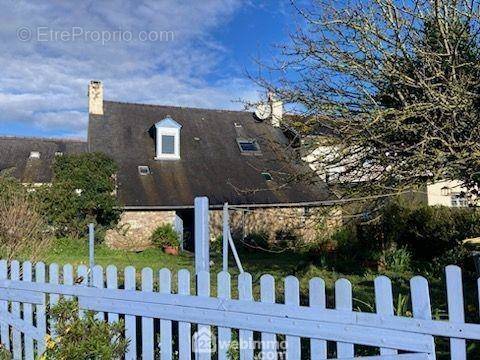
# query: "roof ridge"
16,137
177,106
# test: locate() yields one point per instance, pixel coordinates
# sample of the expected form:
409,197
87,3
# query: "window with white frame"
458,200
167,139
34,155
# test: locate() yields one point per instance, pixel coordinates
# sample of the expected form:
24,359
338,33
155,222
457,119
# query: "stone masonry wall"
307,224
135,228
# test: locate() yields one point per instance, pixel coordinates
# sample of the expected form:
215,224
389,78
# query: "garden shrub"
82,191
428,232
397,260
23,231
83,338
459,255
165,235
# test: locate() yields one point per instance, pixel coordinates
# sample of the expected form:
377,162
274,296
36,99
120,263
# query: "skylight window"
249,146
144,170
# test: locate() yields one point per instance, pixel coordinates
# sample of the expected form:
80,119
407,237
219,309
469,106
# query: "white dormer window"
168,139
34,155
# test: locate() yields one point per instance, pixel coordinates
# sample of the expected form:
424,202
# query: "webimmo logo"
203,341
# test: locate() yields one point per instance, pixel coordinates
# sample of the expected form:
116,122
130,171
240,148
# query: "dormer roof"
168,122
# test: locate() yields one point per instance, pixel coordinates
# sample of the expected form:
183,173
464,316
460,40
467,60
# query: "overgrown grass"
303,266
257,263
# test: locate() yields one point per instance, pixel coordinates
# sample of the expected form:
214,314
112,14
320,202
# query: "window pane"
168,144
248,146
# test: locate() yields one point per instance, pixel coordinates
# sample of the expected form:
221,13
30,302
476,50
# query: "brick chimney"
277,109
95,97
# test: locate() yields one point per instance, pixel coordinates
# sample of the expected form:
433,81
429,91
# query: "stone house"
169,155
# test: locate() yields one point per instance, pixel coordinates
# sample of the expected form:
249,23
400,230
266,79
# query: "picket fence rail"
168,320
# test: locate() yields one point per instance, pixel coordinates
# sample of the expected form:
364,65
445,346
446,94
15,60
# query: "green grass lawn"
75,252
303,266
279,265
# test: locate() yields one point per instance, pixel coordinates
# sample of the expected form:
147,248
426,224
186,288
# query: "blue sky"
188,53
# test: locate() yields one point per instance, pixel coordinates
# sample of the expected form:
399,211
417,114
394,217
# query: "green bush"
82,191
83,338
427,231
398,260
165,235
459,255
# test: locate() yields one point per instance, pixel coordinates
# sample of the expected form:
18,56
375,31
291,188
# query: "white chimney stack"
277,110
95,97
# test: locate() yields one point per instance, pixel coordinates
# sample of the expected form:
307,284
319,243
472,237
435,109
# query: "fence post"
91,249
202,235
226,234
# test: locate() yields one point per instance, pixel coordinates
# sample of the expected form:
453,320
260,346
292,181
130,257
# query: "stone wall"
307,224
135,228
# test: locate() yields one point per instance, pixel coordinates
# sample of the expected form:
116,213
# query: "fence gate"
160,324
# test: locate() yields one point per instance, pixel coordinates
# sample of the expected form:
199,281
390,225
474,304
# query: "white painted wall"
436,196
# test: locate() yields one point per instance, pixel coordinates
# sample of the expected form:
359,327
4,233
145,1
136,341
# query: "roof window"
144,170
249,147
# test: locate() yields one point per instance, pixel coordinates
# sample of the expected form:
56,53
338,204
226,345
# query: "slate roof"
15,156
211,163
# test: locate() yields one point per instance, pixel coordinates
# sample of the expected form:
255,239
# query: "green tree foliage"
82,191
83,338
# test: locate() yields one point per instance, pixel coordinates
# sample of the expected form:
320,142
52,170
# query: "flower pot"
170,250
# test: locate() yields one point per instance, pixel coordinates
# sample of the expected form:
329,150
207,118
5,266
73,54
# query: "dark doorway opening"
188,218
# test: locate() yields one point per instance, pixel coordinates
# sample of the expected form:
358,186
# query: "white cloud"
44,81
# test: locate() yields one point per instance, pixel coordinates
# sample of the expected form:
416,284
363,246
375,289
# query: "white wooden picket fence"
171,315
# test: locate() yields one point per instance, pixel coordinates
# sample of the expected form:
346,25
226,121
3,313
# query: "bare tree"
396,82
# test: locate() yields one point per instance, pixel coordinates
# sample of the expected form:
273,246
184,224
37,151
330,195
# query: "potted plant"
166,237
